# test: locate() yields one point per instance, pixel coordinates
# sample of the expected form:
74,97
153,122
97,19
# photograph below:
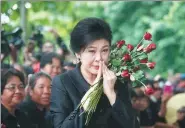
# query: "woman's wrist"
112,97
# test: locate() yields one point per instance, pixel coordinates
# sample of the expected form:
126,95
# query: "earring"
77,61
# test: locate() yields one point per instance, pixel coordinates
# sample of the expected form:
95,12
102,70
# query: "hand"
109,80
54,32
99,75
166,97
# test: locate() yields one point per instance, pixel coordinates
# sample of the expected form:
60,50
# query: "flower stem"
137,55
139,42
142,83
138,64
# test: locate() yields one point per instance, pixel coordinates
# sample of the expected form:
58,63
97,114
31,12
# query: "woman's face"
42,91
13,92
94,53
56,67
31,46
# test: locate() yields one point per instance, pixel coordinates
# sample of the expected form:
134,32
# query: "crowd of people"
153,110
45,90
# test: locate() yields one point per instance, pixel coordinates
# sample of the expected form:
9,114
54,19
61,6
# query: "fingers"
99,73
100,70
107,72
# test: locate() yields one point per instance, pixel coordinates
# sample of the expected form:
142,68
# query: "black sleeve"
122,108
61,109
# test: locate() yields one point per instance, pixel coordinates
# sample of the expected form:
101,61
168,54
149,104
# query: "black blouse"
36,116
67,92
20,120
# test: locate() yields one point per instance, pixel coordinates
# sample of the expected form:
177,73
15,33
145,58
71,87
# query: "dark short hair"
46,58
88,30
8,74
35,77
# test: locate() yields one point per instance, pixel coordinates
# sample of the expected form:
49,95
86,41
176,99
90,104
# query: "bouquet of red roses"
128,62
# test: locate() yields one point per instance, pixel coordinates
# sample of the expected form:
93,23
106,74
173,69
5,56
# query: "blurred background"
30,30
128,20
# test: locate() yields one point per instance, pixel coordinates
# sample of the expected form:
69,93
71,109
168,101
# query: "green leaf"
136,62
124,49
120,53
114,69
112,55
123,67
139,72
138,75
116,62
143,56
136,84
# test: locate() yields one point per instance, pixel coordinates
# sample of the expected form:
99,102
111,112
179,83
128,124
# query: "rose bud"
150,65
125,74
144,60
132,78
148,91
120,43
147,50
130,47
127,57
150,48
147,36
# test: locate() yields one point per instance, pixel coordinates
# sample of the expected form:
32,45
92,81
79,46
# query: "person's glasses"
13,87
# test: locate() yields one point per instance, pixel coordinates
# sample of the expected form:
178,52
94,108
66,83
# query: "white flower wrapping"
86,98
90,100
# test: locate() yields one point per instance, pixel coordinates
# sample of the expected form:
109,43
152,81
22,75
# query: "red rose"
125,74
150,65
120,43
149,91
130,47
150,48
147,36
127,57
144,60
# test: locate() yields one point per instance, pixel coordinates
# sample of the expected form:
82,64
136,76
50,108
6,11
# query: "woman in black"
36,103
12,93
90,41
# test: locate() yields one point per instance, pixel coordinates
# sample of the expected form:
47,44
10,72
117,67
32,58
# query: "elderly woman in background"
12,93
36,103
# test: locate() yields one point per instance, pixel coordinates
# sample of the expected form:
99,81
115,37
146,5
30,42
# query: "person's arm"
118,96
61,108
165,98
13,53
25,51
59,40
